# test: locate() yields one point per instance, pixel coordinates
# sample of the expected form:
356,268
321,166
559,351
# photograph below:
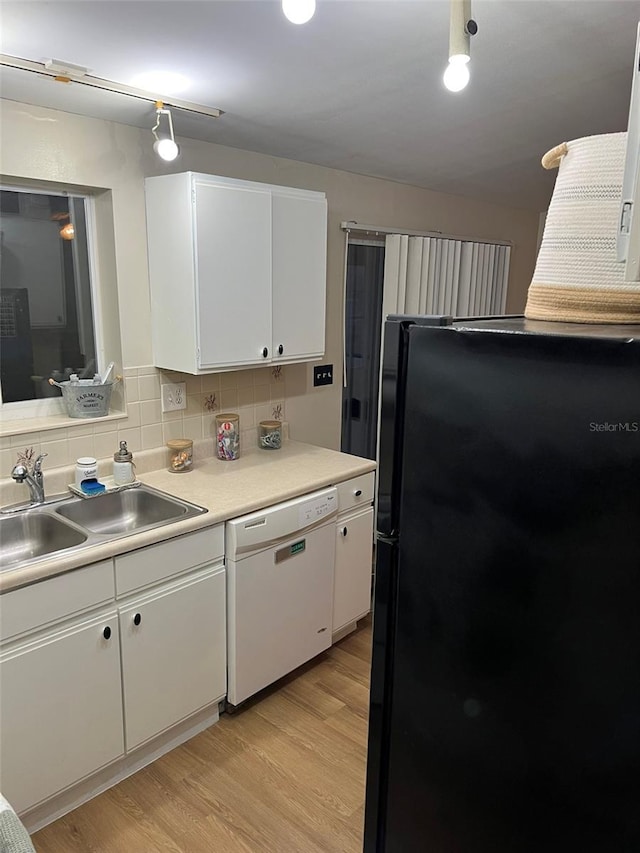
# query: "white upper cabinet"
233,274
299,229
237,272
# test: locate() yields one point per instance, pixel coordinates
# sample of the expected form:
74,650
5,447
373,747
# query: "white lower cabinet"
173,653
60,709
96,662
353,568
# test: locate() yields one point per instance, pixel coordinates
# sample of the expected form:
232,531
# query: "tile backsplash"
255,394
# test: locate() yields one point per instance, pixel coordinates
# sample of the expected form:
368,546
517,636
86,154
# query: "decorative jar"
228,436
270,435
180,455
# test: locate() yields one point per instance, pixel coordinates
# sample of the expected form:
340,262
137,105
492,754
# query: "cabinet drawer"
50,600
157,562
356,492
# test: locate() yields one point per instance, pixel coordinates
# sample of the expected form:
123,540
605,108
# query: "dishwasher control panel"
275,525
318,507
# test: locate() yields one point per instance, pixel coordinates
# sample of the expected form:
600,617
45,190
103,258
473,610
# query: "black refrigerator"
505,681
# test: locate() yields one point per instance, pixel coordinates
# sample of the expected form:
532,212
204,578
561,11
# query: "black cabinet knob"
358,492
137,619
344,531
107,633
280,349
265,352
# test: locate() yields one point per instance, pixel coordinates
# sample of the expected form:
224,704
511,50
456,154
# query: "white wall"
61,148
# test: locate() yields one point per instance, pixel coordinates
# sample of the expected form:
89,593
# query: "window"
46,306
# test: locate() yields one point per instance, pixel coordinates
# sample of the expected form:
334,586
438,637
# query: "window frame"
53,407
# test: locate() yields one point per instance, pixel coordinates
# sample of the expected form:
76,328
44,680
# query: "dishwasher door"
279,597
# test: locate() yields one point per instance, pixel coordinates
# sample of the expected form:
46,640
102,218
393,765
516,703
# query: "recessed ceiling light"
161,82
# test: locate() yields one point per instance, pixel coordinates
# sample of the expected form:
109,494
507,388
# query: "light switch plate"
322,374
174,396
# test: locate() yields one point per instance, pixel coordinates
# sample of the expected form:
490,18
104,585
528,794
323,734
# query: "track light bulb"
298,11
166,149
456,75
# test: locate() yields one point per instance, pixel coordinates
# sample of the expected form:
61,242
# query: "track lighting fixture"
462,27
165,147
76,75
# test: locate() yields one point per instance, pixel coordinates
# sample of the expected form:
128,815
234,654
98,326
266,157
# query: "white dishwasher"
280,564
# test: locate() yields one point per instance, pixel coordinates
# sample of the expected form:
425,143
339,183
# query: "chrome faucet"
34,478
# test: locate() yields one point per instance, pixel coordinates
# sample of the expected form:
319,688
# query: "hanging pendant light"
298,11
461,28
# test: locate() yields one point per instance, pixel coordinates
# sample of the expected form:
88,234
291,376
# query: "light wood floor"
284,775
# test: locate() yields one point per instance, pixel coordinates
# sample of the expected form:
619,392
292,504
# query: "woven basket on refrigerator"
577,277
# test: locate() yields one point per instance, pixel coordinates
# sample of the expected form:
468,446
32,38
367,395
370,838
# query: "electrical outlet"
174,396
322,374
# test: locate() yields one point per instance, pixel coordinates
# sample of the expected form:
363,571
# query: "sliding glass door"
363,321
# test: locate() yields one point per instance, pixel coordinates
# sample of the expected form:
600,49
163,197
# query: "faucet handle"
37,465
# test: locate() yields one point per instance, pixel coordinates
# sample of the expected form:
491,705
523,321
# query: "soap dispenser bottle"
123,466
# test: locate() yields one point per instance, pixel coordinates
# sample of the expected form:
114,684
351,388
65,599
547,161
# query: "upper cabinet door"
299,225
233,281
237,272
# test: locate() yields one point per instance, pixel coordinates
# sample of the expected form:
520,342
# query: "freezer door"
515,681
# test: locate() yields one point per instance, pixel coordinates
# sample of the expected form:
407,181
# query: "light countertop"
259,478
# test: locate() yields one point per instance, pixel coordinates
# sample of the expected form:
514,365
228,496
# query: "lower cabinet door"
173,654
60,709
354,559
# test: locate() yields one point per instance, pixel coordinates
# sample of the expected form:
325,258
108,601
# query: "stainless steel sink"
35,532
30,535
125,512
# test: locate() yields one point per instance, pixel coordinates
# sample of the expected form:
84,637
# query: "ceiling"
359,87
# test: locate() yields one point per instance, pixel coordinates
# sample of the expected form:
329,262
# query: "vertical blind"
432,275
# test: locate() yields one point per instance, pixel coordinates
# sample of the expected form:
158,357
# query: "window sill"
41,424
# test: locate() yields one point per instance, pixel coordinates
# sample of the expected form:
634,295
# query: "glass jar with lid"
180,455
270,435
228,436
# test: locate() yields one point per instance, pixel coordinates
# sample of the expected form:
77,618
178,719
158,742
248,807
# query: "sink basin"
125,512
30,535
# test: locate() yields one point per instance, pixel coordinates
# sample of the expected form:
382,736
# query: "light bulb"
456,75
67,232
167,149
298,11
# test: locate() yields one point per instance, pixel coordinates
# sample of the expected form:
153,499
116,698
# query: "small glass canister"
180,455
228,435
270,435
